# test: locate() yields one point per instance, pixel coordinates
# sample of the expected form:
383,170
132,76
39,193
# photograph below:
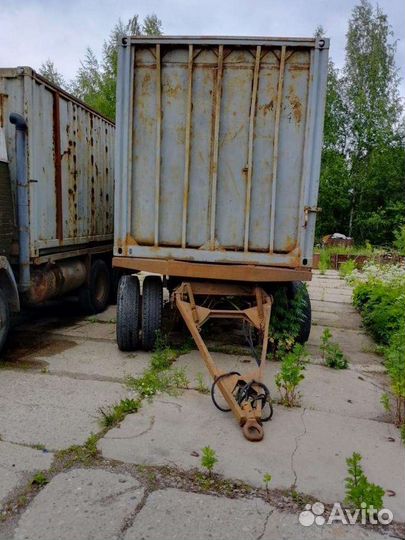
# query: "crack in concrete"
266,520
108,498
297,438
151,424
129,521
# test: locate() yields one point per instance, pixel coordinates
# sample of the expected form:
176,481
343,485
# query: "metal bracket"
312,209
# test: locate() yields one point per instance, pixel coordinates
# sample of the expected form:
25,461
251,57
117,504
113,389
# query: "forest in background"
362,184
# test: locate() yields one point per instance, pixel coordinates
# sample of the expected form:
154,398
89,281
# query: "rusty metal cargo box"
70,154
218,149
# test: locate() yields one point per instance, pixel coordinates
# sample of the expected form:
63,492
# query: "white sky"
34,30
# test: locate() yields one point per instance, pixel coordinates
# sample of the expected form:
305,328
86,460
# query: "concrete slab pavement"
56,412
81,504
302,447
178,515
17,463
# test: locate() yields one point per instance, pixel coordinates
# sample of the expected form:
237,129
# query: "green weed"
291,375
201,386
113,415
332,354
208,459
39,479
358,489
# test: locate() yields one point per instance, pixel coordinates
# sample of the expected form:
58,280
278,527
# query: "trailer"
56,196
217,172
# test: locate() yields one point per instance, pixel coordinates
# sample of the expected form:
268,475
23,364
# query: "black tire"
128,307
152,307
94,297
116,274
295,288
4,319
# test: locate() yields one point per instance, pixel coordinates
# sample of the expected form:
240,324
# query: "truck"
56,196
217,162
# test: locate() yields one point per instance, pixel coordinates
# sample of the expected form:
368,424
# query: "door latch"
307,210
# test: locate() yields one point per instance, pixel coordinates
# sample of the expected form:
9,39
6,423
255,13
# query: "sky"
35,30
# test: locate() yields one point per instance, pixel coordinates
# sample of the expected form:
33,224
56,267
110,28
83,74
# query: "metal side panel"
70,162
218,148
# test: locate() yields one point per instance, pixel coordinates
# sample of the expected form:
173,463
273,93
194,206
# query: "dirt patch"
22,349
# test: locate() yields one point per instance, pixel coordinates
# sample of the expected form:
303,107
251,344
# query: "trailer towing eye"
252,430
245,395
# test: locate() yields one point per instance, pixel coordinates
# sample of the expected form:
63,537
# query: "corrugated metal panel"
218,148
70,162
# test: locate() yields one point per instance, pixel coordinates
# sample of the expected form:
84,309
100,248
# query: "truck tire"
294,288
128,307
116,274
152,307
4,319
94,296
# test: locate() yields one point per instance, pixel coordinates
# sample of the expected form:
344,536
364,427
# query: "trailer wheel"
152,307
94,296
295,288
4,319
128,309
116,274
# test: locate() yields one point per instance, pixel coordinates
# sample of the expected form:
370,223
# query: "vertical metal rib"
158,139
131,133
275,146
215,145
187,146
250,145
58,166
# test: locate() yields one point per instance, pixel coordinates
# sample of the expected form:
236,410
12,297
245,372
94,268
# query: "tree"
95,82
334,194
363,159
49,71
375,148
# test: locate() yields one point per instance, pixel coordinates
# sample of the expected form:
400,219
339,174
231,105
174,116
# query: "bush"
347,268
287,315
379,294
382,306
395,364
399,241
291,375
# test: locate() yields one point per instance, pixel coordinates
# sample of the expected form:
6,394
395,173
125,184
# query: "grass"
201,386
79,454
161,376
115,414
39,479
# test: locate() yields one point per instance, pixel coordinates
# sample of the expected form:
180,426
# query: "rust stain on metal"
296,105
234,272
58,166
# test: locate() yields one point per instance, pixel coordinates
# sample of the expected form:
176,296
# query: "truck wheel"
128,307
295,288
94,296
116,274
152,307
4,319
